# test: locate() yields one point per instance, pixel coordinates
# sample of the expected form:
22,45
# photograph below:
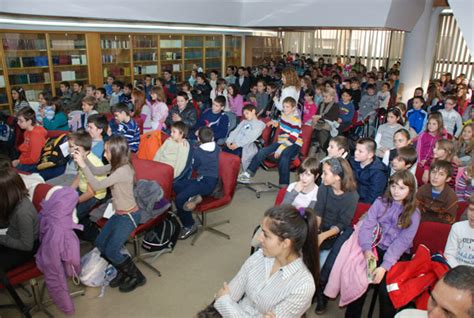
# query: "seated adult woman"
279,279
18,221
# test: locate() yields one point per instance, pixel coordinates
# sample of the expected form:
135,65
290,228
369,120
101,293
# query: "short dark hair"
205,134
102,91
118,83
215,72
442,165
249,107
370,86
422,100
99,120
347,92
309,92
408,155
369,143
183,95
65,83
121,107
28,114
220,100
129,86
81,139
461,277
179,125
90,100
290,100
78,83
58,104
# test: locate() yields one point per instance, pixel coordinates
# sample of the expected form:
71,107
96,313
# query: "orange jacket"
30,149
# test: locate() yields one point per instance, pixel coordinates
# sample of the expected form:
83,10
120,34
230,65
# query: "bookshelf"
233,50
26,63
116,56
193,53
171,54
68,58
145,56
257,49
213,52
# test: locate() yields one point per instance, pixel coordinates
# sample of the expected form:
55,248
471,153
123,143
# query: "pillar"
418,52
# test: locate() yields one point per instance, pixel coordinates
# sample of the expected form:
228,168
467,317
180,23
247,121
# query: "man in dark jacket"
242,82
202,92
370,173
183,111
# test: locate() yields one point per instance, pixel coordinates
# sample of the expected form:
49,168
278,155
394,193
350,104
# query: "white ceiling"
463,11
394,14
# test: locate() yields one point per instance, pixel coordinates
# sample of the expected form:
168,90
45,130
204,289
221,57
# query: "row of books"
115,59
115,44
148,56
69,75
170,43
74,59
213,64
193,43
213,53
23,44
32,78
27,61
3,98
145,43
173,67
193,54
233,42
116,70
2,81
68,44
146,69
171,55
213,43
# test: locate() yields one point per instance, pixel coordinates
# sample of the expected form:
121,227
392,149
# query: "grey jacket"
22,228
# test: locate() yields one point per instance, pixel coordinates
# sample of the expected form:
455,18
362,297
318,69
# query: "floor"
191,275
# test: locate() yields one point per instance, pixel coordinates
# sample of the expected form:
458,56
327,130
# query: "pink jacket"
58,256
349,273
157,117
236,104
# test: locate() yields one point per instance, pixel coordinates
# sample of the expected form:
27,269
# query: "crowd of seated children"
241,140
125,126
437,201
443,150
284,149
459,249
183,111
81,142
176,149
216,119
53,116
89,105
19,225
189,191
369,171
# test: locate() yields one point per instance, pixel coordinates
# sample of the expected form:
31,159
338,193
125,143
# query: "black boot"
322,301
120,278
134,277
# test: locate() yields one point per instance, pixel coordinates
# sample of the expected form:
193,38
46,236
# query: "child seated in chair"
88,198
175,150
216,119
436,200
241,140
189,192
303,193
127,127
285,149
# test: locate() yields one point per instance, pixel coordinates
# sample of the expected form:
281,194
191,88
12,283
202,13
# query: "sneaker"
187,231
244,177
192,203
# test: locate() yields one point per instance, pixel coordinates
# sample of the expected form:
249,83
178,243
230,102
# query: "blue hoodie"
219,123
417,119
371,180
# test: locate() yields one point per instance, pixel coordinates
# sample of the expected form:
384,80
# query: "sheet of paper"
109,211
64,149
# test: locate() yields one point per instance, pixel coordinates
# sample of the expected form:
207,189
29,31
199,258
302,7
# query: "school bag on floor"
164,236
150,142
52,156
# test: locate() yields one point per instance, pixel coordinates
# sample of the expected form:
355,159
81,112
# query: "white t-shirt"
303,200
459,248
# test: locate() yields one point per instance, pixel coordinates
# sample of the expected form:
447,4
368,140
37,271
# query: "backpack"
164,236
52,155
150,142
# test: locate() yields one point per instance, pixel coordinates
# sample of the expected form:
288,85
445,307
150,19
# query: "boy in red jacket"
34,141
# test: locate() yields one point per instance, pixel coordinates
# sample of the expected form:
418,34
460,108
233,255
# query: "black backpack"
164,236
51,155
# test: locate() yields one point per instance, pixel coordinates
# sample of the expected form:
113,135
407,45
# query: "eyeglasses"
434,304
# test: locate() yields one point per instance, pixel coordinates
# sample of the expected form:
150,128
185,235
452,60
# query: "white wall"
463,11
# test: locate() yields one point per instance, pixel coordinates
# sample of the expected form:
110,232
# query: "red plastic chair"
163,174
280,196
433,235
229,166
361,208
462,206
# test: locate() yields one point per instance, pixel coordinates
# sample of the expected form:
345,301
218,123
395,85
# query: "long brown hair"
409,203
301,228
119,152
13,191
469,145
348,183
291,77
439,119
139,102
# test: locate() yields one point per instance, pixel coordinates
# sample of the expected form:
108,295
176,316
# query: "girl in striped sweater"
286,147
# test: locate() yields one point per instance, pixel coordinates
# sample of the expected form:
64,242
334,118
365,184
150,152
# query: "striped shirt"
253,292
290,131
131,132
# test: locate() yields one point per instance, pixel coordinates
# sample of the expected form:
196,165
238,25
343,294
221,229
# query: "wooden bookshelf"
26,62
171,54
145,56
69,61
116,56
193,53
5,102
259,48
233,50
213,53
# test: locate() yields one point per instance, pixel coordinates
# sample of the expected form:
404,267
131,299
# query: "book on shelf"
68,44
68,75
115,44
176,67
23,44
2,81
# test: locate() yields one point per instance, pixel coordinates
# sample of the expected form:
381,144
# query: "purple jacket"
395,240
58,256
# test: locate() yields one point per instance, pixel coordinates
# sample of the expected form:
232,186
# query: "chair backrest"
156,171
361,208
40,193
306,133
229,167
432,234
462,206
280,196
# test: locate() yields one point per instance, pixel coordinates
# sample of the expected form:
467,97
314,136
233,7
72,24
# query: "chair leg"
141,258
38,299
270,187
19,303
209,228
373,302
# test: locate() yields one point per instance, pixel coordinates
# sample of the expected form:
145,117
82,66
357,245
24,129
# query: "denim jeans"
188,188
115,234
284,161
90,231
26,168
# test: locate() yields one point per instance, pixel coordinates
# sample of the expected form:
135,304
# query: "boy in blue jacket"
371,174
216,119
126,126
346,110
417,117
205,163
